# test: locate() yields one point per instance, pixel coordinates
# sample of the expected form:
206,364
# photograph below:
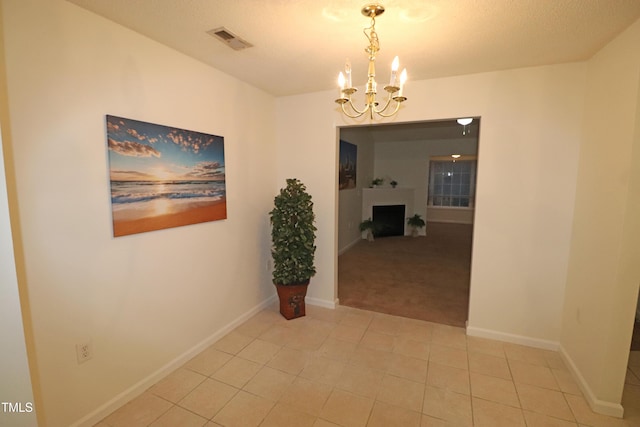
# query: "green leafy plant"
416,221
367,224
394,183
377,181
293,235
370,227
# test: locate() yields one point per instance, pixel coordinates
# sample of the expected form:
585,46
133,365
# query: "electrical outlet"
84,352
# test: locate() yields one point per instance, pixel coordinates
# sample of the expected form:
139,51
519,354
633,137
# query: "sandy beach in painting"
186,214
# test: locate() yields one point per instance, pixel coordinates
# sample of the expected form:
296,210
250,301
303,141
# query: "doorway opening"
425,277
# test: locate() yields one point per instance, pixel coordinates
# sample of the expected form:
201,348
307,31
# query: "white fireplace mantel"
386,197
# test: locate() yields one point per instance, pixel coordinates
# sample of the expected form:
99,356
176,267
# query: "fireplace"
381,197
388,220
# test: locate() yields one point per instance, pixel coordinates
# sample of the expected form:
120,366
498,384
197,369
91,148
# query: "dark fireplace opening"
388,220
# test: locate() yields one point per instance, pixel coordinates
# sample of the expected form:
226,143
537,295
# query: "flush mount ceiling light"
465,122
395,87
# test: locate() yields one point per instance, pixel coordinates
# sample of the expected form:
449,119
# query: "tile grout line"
471,404
513,381
374,324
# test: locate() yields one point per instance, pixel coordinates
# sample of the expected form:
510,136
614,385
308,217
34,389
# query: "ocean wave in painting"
125,192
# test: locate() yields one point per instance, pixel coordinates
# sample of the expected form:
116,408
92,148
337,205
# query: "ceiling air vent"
228,38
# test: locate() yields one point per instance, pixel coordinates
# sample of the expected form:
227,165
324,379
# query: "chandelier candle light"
394,89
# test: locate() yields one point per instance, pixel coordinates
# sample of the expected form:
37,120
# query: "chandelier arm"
381,111
386,105
360,112
395,110
353,116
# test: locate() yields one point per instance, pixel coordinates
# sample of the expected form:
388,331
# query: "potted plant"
368,226
377,182
415,222
393,183
292,246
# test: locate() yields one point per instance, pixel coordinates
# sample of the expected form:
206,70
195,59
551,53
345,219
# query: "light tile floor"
349,367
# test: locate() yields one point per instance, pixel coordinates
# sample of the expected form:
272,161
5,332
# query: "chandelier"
394,89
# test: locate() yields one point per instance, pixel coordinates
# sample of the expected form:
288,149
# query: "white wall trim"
597,405
321,302
349,246
513,338
449,221
600,406
138,388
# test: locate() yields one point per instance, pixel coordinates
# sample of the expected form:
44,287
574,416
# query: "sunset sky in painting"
140,151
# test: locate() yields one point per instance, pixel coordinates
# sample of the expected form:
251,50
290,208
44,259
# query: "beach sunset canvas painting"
163,177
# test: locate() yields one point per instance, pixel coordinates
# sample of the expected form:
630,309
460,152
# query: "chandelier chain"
394,89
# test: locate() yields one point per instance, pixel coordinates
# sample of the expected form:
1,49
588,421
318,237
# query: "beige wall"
146,301
523,224
604,271
408,163
307,149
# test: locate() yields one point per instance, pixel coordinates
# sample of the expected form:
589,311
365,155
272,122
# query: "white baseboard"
512,338
321,302
142,385
600,406
597,405
349,246
450,221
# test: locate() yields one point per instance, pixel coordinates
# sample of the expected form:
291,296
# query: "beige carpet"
424,278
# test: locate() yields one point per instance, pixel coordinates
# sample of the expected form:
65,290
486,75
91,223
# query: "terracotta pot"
292,299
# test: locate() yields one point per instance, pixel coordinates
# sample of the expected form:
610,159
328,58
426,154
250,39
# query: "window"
452,183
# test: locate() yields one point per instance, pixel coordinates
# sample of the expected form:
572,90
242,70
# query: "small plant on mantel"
394,183
415,222
377,182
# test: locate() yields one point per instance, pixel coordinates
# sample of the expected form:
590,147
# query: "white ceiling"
299,46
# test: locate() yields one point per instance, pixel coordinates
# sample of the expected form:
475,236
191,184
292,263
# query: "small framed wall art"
348,165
